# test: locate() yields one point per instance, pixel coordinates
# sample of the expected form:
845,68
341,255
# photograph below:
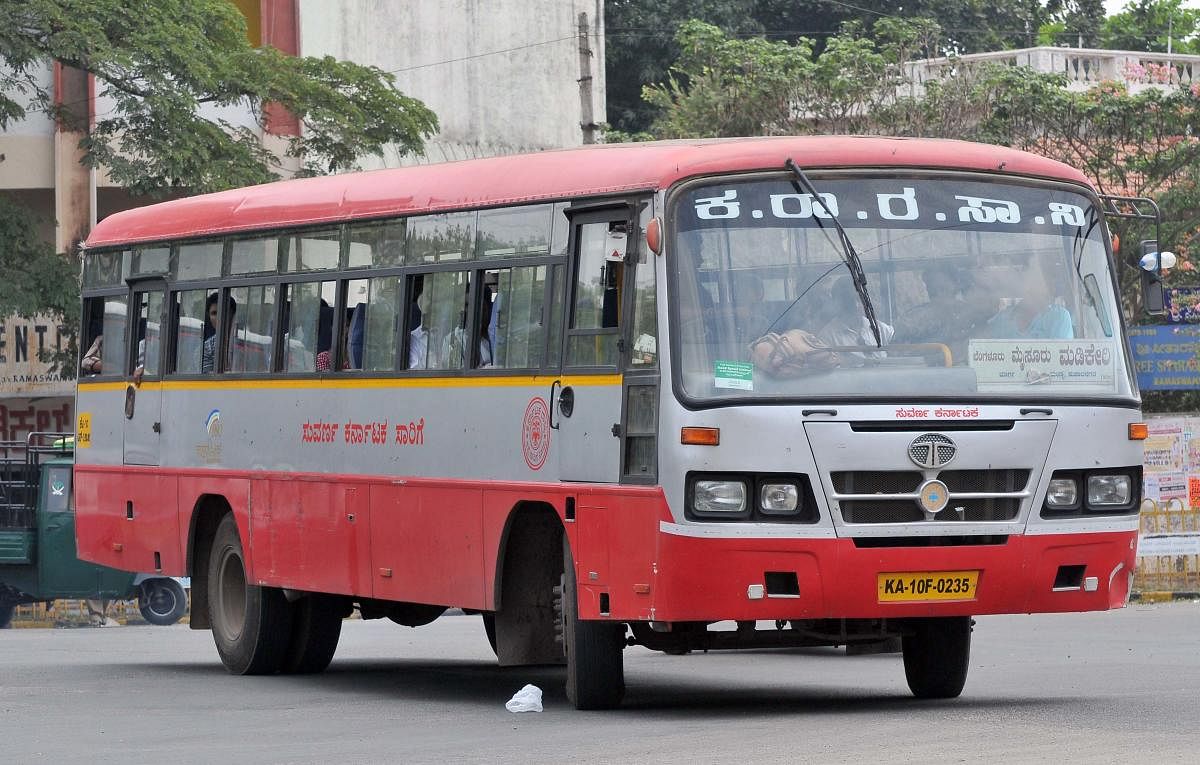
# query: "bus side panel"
614,541
124,517
235,492
427,544
312,535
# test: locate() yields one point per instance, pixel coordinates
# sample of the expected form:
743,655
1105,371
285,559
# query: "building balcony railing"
1084,67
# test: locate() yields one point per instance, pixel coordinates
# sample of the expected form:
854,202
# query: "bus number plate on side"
918,586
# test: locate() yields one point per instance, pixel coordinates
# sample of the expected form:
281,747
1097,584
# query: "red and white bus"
686,395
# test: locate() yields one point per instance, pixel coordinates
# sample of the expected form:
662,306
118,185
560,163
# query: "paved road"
1121,686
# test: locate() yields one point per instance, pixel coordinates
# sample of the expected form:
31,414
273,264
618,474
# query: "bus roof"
526,178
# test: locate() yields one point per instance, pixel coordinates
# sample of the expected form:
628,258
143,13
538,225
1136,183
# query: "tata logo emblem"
931,450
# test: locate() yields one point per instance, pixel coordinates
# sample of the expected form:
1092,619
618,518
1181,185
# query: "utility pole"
587,120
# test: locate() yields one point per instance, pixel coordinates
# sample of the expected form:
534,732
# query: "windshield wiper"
849,255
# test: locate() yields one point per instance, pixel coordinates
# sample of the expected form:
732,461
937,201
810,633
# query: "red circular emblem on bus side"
535,433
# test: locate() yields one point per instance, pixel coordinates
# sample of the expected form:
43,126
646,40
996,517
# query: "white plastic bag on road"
528,699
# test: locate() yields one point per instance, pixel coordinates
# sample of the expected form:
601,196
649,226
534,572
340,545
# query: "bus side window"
438,334
592,338
253,322
645,307
191,328
515,328
148,338
309,331
375,321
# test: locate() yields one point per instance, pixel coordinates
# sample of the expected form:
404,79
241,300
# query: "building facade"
503,76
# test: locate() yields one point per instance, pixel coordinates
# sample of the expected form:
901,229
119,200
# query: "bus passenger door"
586,407
143,373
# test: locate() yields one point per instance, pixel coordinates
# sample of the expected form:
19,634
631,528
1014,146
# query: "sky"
1115,6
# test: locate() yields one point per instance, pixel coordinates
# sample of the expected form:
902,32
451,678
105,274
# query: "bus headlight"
778,498
1062,492
1109,490
719,497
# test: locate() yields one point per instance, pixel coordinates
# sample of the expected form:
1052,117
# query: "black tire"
251,625
937,654
316,627
162,601
595,664
6,616
489,627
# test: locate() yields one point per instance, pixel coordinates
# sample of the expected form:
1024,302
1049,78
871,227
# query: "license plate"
920,586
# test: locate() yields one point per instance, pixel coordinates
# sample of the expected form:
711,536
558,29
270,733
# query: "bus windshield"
981,289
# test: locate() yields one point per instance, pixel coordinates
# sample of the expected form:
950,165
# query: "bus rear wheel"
6,615
937,654
316,629
251,625
595,664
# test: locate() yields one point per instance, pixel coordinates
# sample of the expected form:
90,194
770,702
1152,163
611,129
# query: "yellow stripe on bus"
348,382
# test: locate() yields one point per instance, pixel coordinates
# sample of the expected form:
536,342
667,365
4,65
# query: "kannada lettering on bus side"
372,433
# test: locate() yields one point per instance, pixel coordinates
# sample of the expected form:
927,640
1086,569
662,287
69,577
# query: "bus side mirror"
1152,289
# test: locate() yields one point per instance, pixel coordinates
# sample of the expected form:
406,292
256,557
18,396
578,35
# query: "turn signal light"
700,436
1138,431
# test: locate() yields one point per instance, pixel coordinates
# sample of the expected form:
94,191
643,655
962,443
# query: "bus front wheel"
251,625
937,653
595,665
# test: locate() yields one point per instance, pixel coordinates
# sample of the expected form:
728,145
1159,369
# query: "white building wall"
501,75
27,144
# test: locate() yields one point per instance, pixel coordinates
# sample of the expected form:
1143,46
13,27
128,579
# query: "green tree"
160,61
1146,25
1073,23
727,86
641,42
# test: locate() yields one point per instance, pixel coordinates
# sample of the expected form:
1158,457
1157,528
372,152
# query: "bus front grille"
908,481
884,510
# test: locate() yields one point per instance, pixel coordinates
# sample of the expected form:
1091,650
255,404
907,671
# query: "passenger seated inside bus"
750,314
92,363
954,311
418,337
208,352
1036,314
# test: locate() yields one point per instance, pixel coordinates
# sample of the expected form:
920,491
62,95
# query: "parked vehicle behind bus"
37,539
851,389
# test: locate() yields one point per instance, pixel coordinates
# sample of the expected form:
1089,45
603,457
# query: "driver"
848,326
